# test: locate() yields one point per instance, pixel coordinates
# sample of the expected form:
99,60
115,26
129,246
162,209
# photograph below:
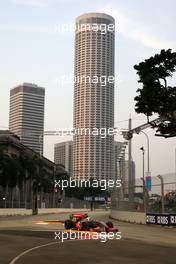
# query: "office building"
93,155
26,118
63,154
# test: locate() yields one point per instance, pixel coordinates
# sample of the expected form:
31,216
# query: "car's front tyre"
68,224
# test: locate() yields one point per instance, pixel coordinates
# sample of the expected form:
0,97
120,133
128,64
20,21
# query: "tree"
10,173
22,169
61,173
40,179
156,96
4,166
9,170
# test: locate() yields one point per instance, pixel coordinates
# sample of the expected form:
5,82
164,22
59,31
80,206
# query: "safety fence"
159,198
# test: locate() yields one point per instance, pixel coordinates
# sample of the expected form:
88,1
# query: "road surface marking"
29,250
13,261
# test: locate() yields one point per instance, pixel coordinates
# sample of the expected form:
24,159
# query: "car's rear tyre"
85,226
110,224
68,224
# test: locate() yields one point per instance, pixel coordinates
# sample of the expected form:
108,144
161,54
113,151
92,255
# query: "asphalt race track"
18,246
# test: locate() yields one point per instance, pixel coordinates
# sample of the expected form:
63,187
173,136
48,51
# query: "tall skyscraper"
93,96
63,154
118,146
125,179
26,118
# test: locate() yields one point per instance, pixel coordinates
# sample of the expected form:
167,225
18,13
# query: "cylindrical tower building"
93,155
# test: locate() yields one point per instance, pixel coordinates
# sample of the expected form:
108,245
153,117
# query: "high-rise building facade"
125,179
119,160
93,97
26,118
63,154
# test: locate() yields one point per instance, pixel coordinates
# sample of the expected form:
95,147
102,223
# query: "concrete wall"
132,217
58,210
17,211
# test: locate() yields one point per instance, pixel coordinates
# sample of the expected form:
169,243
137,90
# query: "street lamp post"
130,191
143,176
148,153
143,165
175,168
4,199
162,193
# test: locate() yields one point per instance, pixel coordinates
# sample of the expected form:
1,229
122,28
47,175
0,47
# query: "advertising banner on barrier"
161,219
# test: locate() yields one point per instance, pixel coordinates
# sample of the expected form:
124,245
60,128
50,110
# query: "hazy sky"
32,49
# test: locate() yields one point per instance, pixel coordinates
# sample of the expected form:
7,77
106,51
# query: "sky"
34,49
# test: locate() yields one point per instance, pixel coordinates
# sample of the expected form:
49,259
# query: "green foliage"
61,173
40,178
14,170
155,96
10,170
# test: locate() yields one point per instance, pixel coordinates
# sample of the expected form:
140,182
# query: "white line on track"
13,261
29,250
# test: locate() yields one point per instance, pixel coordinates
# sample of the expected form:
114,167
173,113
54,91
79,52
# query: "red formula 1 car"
83,222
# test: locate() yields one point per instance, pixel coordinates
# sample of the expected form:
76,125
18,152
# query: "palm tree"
10,172
26,171
41,180
4,161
